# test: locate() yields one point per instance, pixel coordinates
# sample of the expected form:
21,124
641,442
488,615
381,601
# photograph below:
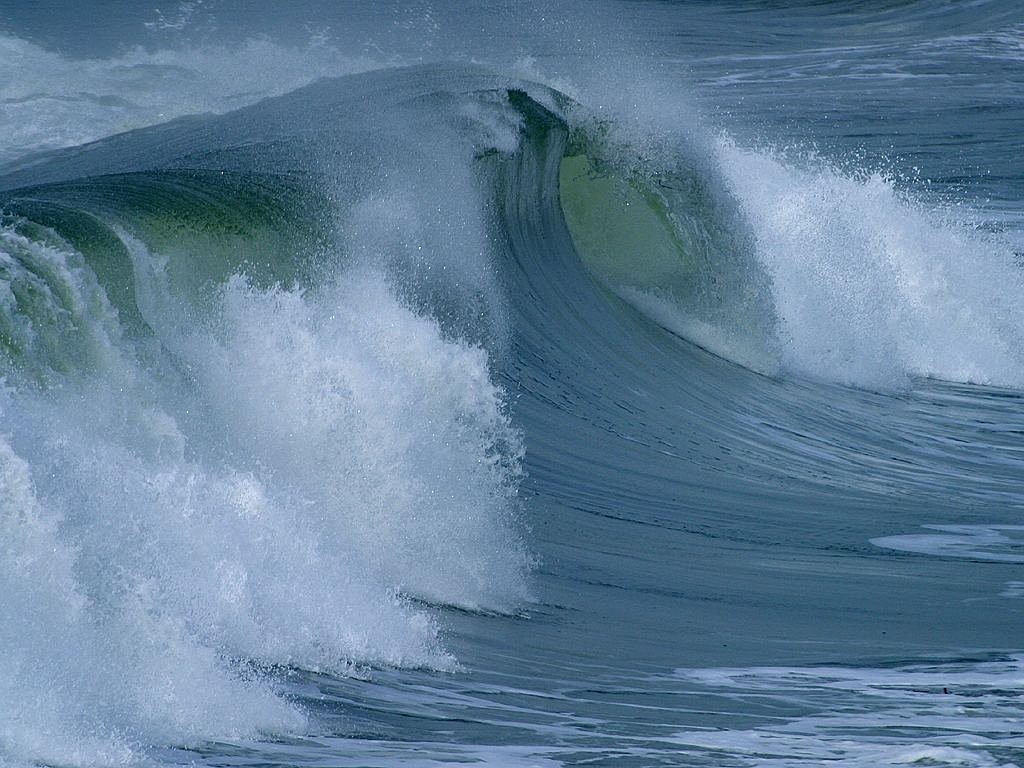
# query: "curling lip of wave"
766,250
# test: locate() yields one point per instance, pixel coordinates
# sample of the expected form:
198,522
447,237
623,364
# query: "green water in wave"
670,244
621,230
74,289
209,224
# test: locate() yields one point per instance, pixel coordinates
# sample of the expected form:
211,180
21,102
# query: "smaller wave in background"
49,100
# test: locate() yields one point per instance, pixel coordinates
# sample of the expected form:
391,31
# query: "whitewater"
530,384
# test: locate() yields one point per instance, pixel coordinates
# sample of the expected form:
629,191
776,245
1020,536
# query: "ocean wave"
278,381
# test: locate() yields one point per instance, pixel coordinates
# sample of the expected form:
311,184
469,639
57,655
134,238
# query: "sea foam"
267,486
871,286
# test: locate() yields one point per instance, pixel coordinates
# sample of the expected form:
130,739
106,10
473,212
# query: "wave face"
512,412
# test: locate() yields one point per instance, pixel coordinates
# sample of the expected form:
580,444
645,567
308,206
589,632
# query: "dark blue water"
605,383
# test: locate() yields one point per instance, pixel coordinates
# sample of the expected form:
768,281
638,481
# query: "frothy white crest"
83,681
870,287
324,455
48,100
395,437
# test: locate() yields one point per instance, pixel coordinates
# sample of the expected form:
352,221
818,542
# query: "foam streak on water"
940,713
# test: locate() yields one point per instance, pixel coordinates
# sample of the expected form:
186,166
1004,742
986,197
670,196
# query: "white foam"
398,437
324,455
82,682
871,287
867,717
1001,543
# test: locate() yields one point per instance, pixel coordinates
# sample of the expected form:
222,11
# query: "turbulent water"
604,383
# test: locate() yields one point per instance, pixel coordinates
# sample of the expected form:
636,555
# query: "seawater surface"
528,384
